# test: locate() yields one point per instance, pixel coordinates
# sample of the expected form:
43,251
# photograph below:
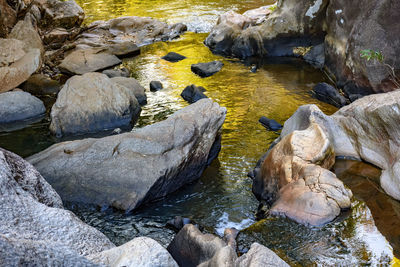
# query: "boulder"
63,14
259,255
17,68
155,86
349,30
90,103
133,85
56,36
88,60
127,170
123,72
329,94
259,15
207,69
316,56
40,84
270,124
123,36
294,180
18,105
24,31
33,224
141,251
193,93
173,57
190,247
8,18
293,24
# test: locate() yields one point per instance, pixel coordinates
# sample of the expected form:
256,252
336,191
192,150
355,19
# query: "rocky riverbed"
75,99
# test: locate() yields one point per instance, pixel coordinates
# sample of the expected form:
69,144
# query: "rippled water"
222,197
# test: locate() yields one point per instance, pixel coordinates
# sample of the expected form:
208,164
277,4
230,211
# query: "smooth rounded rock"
173,57
155,86
132,84
193,93
207,69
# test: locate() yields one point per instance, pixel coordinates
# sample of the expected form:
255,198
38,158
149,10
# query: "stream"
369,234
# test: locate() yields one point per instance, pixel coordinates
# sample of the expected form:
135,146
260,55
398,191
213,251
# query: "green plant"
370,54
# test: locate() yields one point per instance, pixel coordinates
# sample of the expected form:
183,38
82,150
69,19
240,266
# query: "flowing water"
367,235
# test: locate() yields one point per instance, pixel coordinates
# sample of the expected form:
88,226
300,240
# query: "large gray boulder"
129,169
367,130
18,106
91,103
259,255
16,68
33,224
131,83
141,251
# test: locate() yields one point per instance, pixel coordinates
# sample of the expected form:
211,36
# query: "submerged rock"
141,251
35,229
127,170
124,72
207,69
155,86
329,94
90,103
270,124
18,106
132,84
193,93
173,57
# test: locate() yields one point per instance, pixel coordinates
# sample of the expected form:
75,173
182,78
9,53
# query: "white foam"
224,222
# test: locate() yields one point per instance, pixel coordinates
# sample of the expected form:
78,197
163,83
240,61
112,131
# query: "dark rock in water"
124,72
328,94
40,84
127,170
34,227
131,83
18,106
193,93
178,222
155,86
173,57
91,103
354,97
207,69
253,69
316,56
270,124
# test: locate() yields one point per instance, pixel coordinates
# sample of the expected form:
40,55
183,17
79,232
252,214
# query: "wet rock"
173,57
178,222
230,235
90,103
316,56
40,84
133,85
123,72
155,86
354,97
259,255
127,170
16,69
117,131
193,93
18,106
270,124
295,182
190,247
329,94
88,60
141,251
24,31
33,224
207,69
349,30
63,14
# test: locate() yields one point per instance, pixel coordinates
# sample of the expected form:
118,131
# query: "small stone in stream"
253,69
178,222
155,86
207,69
117,131
193,93
173,57
270,124
329,94
111,73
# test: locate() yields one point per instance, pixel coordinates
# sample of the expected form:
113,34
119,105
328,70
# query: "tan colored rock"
24,31
8,18
11,50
